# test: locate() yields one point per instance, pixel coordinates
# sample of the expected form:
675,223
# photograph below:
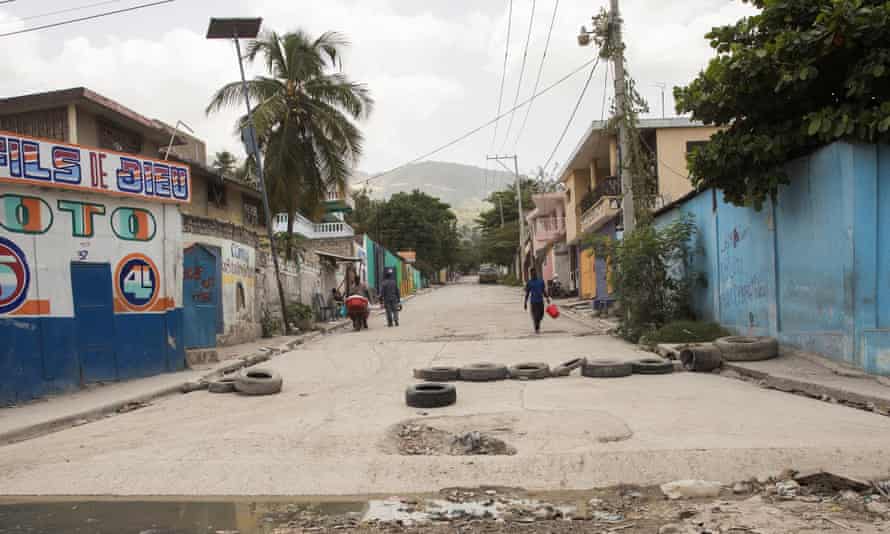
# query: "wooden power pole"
627,202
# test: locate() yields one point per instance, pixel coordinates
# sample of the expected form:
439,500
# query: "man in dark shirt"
389,292
536,292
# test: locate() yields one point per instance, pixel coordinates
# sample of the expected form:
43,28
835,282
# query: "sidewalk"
45,415
810,375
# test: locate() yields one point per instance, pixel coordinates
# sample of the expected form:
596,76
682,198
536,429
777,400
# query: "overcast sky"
433,66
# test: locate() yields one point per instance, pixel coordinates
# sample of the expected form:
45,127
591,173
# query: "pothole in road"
419,439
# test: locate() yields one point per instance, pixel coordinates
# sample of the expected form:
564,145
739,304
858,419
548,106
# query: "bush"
650,274
297,313
686,332
270,324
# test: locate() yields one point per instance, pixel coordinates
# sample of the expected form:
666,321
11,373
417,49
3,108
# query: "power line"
528,110
528,39
70,9
489,123
81,19
575,110
503,74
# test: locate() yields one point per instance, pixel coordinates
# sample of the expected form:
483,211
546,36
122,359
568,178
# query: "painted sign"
26,160
137,282
14,276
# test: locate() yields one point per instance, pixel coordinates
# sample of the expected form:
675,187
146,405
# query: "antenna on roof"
173,137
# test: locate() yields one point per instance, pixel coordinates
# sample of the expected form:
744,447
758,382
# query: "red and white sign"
27,160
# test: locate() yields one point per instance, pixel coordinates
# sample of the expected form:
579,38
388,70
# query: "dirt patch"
418,439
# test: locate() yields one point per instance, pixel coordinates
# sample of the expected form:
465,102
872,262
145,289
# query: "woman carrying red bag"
536,292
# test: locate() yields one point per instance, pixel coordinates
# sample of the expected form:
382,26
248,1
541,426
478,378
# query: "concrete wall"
577,185
53,230
673,172
240,321
810,269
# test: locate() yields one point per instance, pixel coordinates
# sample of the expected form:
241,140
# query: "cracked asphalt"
326,432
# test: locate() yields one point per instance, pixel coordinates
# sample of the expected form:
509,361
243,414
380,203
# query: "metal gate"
200,296
94,321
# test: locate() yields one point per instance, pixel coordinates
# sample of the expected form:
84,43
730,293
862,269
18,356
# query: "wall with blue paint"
42,233
812,268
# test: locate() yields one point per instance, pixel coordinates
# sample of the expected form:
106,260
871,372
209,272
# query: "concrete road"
328,432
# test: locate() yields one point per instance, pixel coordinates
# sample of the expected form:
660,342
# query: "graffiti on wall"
237,262
30,161
23,214
206,283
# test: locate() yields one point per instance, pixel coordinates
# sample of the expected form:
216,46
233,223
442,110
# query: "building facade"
90,245
593,191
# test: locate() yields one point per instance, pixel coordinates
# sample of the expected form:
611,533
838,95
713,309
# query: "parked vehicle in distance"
488,275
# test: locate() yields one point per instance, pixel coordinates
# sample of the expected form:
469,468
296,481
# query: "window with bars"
252,211
49,124
118,139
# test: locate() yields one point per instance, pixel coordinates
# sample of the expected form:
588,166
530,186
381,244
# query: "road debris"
419,439
691,489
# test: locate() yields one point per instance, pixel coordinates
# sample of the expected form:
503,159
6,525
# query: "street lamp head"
583,37
237,28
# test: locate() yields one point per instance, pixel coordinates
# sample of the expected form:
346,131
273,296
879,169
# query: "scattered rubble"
415,439
691,489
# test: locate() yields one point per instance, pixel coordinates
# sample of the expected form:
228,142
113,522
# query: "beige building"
593,190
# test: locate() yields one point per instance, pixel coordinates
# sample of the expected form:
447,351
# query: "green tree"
362,214
417,221
796,76
500,242
305,112
224,162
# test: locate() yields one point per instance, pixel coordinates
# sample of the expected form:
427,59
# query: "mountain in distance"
464,187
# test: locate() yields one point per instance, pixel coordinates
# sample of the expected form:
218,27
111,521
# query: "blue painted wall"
813,268
39,355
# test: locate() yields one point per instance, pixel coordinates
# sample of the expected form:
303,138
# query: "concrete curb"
809,389
88,416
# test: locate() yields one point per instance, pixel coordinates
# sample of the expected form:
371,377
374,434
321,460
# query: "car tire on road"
258,382
430,395
483,372
606,369
747,349
701,358
223,385
530,370
437,374
652,366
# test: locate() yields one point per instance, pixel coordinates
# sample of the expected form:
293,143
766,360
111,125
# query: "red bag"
553,311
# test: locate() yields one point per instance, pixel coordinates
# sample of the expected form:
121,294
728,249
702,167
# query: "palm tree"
224,162
305,113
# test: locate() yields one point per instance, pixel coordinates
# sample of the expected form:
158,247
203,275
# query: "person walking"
360,288
389,292
536,292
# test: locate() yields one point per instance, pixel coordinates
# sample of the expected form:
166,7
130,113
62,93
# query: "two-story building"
547,236
593,190
90,244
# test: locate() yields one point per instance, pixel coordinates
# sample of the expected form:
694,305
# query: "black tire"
560,370
652,366
747,349
606,369
530,370
437,374
223,385
430,395
702,358
483,372
252,381
571,365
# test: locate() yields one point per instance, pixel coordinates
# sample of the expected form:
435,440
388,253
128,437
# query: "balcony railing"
604,209
610,186
311,230
547,228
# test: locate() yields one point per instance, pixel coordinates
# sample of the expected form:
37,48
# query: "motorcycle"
555,290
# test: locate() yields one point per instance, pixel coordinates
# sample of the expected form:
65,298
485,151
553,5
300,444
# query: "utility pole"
627,202
519,204
662,86
501,203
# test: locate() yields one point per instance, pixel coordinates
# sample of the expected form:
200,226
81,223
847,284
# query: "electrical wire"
70,9
528,110
528,39
488,123
503,75
81,19
562,136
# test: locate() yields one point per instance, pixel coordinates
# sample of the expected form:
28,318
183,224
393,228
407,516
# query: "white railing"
311,230
333,196
599,213
547,227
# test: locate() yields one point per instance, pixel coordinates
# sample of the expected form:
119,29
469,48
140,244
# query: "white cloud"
433,67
